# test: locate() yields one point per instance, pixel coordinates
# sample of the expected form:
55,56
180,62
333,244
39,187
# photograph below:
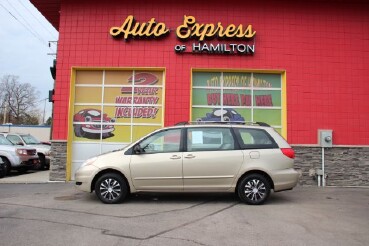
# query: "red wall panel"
322,45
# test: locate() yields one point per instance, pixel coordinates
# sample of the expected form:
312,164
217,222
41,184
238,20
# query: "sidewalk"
32,177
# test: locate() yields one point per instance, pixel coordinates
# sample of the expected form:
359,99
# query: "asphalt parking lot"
59,214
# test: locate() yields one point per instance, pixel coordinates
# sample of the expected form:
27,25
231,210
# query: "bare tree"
18,100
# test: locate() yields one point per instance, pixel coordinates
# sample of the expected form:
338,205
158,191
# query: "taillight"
289,152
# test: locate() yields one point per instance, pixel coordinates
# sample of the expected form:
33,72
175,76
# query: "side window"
162,142
209,139
255,139
14,139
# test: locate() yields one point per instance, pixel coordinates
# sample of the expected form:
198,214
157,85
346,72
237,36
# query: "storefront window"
237,96
117,105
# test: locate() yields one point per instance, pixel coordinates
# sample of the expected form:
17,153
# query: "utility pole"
5,110
43,118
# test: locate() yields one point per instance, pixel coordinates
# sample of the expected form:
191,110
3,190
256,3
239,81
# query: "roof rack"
258,123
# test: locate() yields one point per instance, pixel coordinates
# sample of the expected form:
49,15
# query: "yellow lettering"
130,28
213,82
249,33
183,31
229,31
190,28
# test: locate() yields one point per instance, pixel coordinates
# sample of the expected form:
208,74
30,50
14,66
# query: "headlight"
22,152
89,161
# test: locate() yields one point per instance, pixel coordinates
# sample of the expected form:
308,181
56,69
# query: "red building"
131,67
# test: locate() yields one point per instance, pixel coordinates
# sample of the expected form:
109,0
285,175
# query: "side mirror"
20,143
137,149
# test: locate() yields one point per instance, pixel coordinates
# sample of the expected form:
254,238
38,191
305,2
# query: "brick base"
344,166
58,161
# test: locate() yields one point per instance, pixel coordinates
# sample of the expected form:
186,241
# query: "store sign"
190,29
131,29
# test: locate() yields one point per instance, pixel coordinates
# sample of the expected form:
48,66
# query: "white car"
19,158
250,160
43,150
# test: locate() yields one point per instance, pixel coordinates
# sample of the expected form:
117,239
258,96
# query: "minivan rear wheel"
254,189
111,188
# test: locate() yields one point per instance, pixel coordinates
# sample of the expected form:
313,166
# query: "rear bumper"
285,179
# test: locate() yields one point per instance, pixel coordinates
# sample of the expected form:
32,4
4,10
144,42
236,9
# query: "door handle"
190,156
175,157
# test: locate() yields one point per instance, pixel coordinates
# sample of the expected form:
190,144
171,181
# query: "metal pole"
43,118
323,173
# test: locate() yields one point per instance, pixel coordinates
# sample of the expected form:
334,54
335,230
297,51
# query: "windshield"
29,139
4,141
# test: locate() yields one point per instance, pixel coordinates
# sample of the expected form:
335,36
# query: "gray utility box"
325,138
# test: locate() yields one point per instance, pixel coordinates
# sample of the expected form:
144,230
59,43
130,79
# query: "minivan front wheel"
111,188
254,189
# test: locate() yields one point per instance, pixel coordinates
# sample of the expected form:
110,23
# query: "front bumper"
285,179
84,177
30,163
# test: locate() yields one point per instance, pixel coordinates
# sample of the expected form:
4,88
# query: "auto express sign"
203,34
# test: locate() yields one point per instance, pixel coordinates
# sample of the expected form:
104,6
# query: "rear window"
255,139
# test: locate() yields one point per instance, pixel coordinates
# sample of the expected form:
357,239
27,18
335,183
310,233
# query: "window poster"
117,105
237,97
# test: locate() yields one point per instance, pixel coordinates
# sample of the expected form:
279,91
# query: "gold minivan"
250,160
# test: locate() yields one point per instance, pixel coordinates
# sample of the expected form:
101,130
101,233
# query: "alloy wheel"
110,189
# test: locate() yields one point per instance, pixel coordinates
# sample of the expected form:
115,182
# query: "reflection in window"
255,138
161,142
209,139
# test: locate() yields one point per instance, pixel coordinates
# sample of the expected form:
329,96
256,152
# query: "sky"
24,48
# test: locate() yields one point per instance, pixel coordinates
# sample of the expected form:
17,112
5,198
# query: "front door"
159,165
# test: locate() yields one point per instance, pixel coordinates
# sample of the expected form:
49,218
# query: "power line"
26,25
29,28
37,19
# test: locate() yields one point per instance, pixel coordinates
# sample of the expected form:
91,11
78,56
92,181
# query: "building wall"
322,45
42,133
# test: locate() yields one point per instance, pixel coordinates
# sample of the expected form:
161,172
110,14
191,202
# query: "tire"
2,171
254,189
42,165
111,188
8,166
